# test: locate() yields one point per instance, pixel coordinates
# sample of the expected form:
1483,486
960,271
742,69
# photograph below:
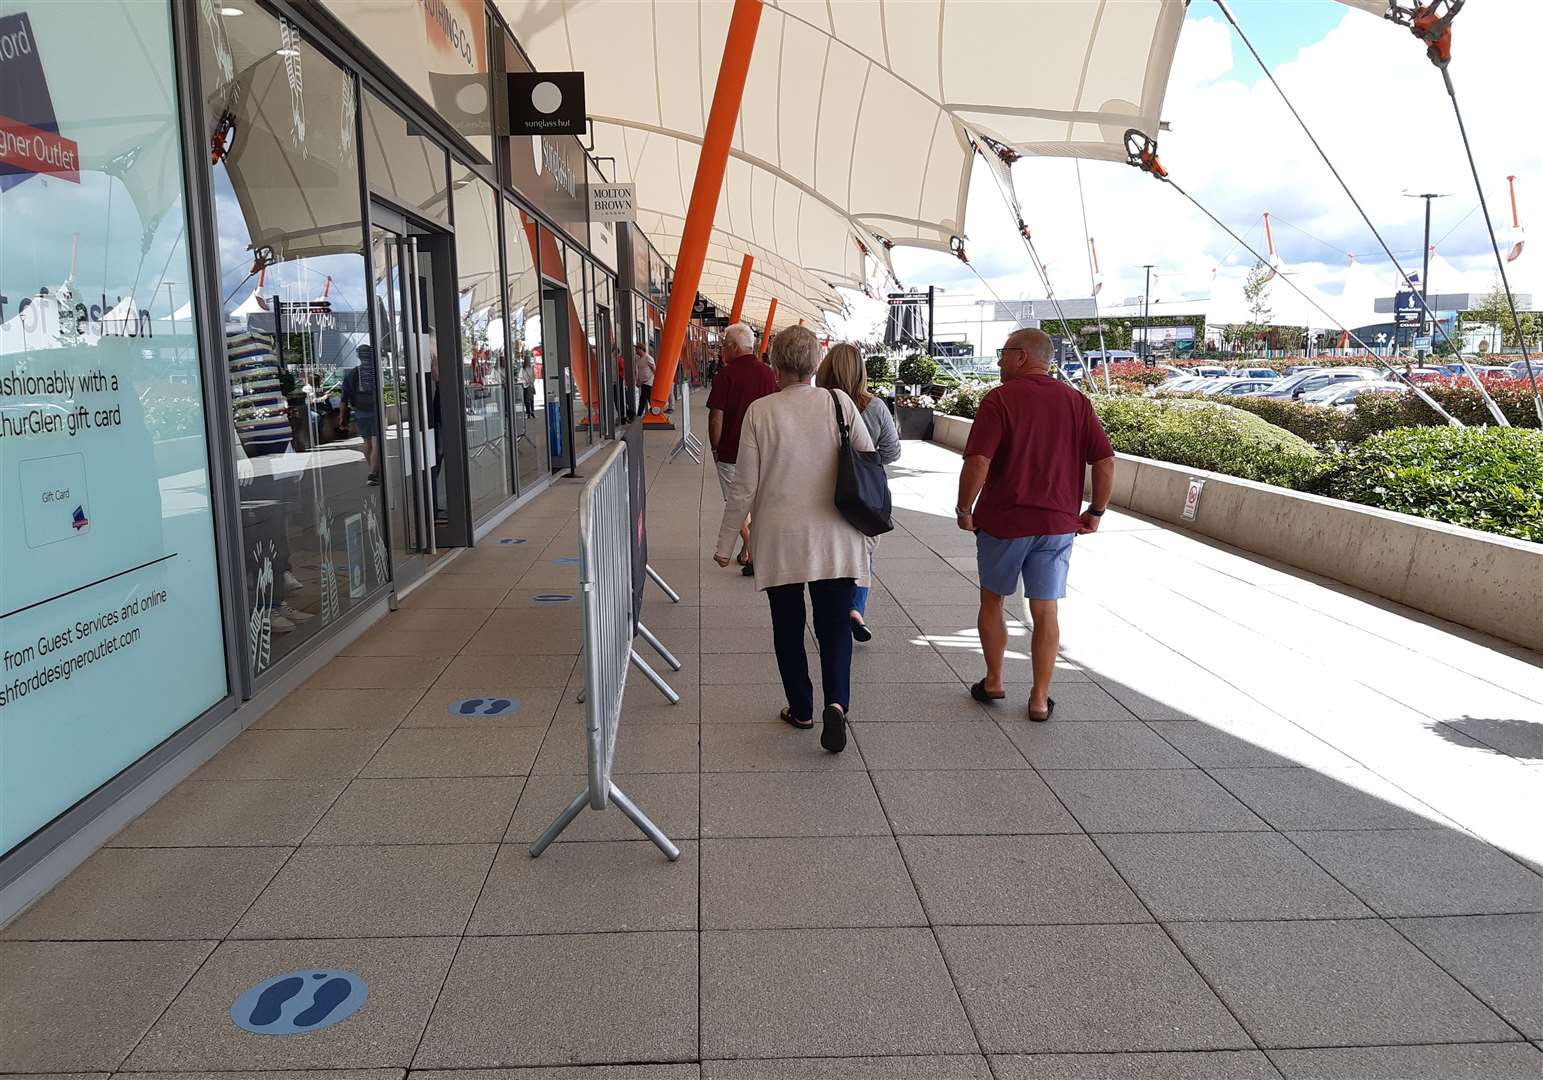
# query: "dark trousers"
832,600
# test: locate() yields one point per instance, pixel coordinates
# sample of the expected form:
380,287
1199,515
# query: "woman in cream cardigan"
786,479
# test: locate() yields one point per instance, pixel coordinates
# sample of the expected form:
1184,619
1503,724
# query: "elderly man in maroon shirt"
1020,493
741,380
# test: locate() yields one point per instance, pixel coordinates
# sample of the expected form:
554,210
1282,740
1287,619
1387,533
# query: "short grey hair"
796,352
741,337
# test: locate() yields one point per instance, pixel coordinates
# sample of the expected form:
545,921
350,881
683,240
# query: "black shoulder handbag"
862,489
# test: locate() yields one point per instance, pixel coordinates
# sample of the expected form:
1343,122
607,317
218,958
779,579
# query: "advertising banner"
110,620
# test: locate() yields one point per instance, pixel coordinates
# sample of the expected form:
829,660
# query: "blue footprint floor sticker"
299,1001
551,598
483,706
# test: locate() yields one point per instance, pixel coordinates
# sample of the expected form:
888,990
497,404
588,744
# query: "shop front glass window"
403,166
586,401
110,614
296,324
480,310
522,302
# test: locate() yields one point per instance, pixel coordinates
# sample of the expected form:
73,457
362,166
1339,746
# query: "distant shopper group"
777,441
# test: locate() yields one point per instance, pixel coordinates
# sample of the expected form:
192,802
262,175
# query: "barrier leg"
665,585
655,678
563,821
669,658
640,819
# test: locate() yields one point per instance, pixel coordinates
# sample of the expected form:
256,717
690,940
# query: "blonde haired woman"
843,369
786,479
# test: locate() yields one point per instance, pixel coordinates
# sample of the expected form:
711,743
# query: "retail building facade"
284,319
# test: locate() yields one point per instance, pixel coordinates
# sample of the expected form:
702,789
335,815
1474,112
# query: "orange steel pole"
712,162
739,292
771,313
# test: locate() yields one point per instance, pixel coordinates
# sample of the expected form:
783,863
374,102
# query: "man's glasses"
1007,349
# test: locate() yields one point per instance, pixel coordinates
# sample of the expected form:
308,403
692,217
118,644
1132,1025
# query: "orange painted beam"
741,289
711,164
771,313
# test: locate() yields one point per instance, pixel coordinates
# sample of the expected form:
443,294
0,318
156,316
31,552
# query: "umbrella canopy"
855,126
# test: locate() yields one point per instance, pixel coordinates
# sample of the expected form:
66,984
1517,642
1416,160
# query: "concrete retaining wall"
1485,582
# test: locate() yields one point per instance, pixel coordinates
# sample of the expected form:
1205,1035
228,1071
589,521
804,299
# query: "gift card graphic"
55,504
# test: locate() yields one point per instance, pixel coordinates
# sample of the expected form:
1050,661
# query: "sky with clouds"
1374,102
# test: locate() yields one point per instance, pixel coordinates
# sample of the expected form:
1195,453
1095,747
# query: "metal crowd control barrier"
605,557
688,442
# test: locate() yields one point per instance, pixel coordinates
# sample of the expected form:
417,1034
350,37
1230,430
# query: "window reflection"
523,306
287,209
402,165
482,342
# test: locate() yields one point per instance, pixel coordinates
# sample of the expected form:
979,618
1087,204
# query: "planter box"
913,423
1475,579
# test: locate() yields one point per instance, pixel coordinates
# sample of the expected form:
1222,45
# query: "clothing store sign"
613,202
547,103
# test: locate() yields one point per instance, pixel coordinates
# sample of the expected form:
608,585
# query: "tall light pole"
1425,272
1146,318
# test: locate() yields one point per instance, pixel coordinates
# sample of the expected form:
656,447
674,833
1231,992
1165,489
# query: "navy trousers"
832,601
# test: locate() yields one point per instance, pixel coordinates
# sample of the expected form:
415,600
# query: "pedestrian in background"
643,372
742,381
843,369
1020,493
785,477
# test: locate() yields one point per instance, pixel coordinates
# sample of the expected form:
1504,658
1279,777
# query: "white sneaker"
280,624
292,582
293,614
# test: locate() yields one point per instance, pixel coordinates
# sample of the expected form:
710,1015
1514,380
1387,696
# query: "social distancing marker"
513,540
484,706
567,560
299,1002
552,598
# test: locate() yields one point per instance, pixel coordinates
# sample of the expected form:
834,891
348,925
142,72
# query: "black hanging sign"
546,103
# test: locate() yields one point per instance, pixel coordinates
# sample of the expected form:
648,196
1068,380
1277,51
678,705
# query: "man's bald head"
1026,352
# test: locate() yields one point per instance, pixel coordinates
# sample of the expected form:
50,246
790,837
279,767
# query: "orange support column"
711,163
739,291
771,313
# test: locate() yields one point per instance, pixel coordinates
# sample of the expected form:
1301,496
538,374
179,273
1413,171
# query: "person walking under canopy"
741,381
1020,493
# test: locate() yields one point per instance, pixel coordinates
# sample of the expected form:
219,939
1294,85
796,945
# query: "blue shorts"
1042,562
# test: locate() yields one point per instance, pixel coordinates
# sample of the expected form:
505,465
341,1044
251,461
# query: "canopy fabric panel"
854,133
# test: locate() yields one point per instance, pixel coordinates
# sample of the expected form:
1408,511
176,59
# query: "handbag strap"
841,420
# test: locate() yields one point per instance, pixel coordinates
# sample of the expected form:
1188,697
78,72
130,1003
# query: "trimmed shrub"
918,370
964,399
1481,478
1205,435
879,368
1323,427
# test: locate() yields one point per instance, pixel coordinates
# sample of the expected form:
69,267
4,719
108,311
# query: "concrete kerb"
1484,582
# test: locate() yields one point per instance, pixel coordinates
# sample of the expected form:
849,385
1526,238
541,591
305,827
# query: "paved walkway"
1248,846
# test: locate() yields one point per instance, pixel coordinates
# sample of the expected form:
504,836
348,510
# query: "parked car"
1256,373
1299,368
1184,384
1343,395
1241,387
1295,387
1518,370
1210,371
1424,374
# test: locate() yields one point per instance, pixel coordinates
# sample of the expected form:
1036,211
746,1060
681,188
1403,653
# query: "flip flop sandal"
980,693
1049,708
834,735
788,718
860,631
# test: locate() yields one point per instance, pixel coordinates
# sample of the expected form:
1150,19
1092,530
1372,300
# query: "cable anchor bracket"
1432,24
1141,151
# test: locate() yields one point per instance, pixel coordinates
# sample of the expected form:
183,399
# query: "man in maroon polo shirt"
1020,493
741,380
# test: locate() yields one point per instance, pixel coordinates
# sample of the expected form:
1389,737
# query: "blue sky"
1278,28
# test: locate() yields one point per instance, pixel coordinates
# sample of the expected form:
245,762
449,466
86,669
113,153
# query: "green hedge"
1489,479
1206,435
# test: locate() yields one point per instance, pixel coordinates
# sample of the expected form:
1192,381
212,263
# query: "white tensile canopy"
854,130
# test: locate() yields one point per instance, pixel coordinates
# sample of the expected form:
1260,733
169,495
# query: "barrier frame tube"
605,569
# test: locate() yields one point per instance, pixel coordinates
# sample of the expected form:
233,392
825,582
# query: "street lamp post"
1426,329
1146,319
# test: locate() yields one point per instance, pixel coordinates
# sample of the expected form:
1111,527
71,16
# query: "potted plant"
913,415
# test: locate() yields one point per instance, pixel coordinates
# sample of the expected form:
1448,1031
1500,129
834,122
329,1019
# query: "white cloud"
1380,111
